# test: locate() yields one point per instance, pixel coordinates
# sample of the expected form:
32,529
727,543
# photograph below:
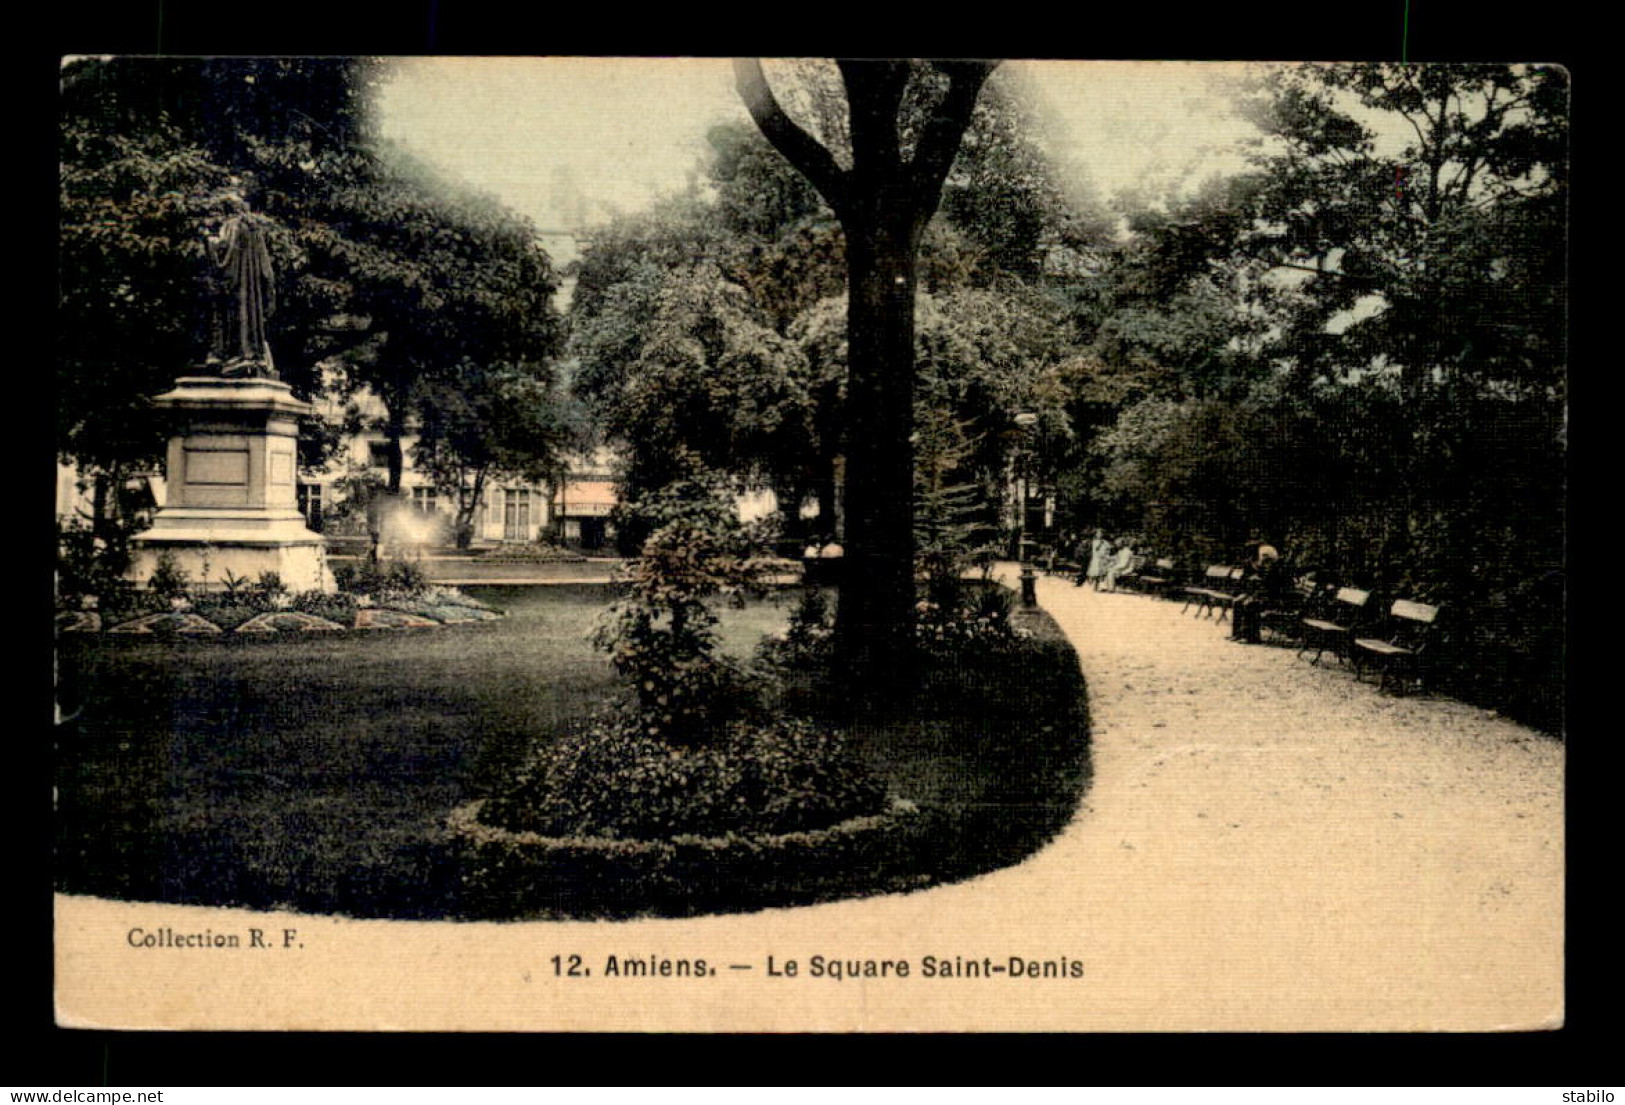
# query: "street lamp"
1025,421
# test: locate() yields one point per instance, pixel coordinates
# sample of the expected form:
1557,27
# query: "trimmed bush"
613,780
541,552
168,579
506,874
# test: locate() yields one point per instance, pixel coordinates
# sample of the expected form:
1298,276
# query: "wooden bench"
1409,625
1214,575
1154,579
1061,566
1223,586
1285,619
1335,630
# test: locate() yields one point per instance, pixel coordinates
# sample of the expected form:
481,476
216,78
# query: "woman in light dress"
1119,562
1100,556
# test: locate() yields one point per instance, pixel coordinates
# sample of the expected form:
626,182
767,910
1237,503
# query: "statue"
242,295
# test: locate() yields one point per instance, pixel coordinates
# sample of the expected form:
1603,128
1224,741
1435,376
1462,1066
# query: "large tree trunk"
874,619
884,202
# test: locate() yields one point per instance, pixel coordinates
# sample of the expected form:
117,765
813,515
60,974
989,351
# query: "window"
378,454
516,514
425,500
310,504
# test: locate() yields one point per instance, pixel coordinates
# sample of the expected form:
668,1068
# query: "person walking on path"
1098,552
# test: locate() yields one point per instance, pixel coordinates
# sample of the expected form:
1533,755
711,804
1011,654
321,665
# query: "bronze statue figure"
242,293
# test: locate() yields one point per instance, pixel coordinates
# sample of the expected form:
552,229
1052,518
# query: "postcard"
695,545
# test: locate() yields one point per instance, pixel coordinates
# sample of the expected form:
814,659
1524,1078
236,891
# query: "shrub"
168,579
662,635
386,578
405,577
539,550
612,779
806,643
970,627
965,618
88,565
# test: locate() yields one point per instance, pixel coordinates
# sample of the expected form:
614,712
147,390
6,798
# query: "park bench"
1152,578
1399,651
1336,630
1286,618
1063,566
1213,575
1222,586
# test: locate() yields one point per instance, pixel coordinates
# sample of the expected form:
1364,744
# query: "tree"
148,146
383,270
430,278
1435,266
1441,237
883,201
679,364
487,425
130,258
1373,318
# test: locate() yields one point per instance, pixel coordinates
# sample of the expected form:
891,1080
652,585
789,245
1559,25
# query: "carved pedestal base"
231,509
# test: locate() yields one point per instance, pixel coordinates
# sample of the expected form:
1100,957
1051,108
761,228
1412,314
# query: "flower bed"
259,613
538,553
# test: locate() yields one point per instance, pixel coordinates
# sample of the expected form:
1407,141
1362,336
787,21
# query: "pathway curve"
1350,851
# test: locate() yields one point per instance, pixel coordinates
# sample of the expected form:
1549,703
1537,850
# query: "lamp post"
1025,421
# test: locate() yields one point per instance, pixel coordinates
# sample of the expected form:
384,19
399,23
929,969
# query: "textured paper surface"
1235,865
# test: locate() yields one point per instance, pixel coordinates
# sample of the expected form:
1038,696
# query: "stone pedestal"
231,504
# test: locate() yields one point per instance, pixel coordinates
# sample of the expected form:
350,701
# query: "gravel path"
1352,852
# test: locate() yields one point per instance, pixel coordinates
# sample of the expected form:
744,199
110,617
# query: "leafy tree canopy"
383,270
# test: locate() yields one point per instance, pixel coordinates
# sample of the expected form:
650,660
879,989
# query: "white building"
574,511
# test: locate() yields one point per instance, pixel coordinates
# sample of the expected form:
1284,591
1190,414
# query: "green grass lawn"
312,772
315,773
